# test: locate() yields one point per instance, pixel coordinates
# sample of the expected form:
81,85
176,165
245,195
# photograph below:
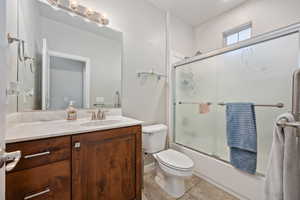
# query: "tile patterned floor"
197,189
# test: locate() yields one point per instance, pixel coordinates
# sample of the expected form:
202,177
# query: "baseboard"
222,187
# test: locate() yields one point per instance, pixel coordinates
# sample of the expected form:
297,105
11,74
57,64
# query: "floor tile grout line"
188,190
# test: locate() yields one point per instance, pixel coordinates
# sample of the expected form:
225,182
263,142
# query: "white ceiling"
195,12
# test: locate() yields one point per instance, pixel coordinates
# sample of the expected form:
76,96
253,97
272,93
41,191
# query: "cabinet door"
105,165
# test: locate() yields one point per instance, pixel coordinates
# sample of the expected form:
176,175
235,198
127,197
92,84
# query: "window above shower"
237,34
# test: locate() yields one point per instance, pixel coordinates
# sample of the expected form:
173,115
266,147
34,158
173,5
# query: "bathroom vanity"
76,160
77,63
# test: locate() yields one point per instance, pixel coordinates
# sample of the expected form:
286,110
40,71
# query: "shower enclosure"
258,70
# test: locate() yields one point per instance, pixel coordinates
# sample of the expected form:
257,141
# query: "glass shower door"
261,74
195,83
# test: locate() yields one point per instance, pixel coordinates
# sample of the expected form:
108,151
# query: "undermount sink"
101,123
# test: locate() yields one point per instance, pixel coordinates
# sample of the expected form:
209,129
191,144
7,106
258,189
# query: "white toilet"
172,166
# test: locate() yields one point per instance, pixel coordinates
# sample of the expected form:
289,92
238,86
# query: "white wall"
11,27
266,15
28,30
3,74
182,35
143,26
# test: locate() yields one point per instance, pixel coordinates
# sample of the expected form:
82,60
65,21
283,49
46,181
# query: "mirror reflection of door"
65,79
66,83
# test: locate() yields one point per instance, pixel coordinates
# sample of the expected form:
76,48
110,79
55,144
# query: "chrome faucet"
101,114
93,115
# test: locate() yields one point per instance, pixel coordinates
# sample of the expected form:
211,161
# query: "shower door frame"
275,34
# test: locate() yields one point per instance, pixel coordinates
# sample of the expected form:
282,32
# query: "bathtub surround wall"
265,15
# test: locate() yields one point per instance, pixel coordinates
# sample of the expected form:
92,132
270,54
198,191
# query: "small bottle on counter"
117,101
71,111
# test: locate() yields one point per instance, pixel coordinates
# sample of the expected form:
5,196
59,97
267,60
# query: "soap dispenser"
71,111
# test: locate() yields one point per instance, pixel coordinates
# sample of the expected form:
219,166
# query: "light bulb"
89,12
73,5
104,15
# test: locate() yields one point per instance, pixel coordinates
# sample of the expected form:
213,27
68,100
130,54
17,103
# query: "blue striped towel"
242,136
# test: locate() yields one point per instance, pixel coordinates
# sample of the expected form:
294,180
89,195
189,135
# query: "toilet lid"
154,128
175,159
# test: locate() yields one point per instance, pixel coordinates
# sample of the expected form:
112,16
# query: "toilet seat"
175,160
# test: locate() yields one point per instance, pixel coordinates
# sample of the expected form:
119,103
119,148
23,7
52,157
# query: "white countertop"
47,129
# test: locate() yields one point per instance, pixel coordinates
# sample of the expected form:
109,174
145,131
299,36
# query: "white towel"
283,175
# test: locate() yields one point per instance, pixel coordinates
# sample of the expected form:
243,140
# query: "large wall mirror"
66,58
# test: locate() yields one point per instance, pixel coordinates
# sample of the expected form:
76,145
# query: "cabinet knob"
77,145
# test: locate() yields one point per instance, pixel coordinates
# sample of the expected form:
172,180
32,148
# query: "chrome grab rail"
295,105
37,155
47,190
288,124
283,123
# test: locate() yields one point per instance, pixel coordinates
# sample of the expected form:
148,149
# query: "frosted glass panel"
196,83
260,74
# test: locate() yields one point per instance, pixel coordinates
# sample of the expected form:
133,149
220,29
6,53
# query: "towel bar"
278,105
180,102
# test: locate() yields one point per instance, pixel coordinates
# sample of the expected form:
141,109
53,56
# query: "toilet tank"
154,138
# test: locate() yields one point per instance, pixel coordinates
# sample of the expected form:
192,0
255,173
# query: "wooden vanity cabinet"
47,182
44,171
102,165
107,165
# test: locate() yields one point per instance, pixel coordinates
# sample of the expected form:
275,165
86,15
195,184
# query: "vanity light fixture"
73,8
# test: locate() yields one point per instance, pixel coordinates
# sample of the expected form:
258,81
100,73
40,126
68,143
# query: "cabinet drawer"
47,182
41,152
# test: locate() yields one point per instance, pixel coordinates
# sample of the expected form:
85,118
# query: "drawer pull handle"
37,194
37,155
